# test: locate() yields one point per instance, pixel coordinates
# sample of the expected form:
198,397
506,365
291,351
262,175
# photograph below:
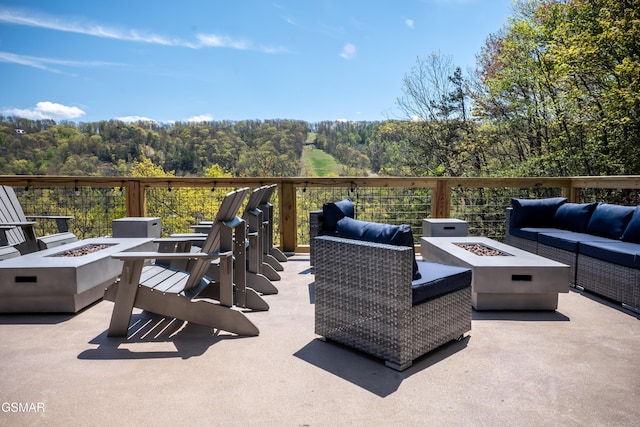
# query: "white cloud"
409,23
135,119
214,40
43,63
47,110
132,35
200,118
349,51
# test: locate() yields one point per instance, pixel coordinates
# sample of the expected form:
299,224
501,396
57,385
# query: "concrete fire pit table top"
504,277
54,280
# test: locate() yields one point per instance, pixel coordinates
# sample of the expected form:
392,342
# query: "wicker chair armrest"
378,273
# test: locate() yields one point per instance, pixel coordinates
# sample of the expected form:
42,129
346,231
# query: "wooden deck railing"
442,193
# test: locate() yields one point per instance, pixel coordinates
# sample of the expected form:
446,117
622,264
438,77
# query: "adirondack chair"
249,262
272,255
177,293
259,273
233,237
17,229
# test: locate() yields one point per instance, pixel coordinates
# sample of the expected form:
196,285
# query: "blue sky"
227,60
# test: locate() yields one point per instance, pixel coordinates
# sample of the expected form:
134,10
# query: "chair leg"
397,366
273,262
199,311
260,283
125,298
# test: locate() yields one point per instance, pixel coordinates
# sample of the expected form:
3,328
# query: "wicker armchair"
363,298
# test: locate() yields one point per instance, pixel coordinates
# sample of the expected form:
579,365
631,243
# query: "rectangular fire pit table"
53,280
504,277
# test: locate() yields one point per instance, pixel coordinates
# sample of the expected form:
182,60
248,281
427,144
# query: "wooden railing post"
288,217
441,200
136,199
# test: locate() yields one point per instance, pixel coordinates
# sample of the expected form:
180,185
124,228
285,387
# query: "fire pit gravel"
481,249
83,250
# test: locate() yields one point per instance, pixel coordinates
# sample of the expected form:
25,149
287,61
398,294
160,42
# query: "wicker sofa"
600,242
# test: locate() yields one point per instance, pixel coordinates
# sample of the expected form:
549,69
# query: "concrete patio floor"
578,366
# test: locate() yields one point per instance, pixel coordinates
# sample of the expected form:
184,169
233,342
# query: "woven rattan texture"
314,230
613,281
521,243
566,257
363,299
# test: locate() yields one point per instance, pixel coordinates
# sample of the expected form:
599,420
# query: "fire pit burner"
82,250
481,249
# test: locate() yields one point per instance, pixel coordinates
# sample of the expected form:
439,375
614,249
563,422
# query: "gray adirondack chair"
17,229
259,274
161,289
272,254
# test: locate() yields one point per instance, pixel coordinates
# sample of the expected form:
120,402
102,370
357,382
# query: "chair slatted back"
255,198
227,212
267,208
266,196
11,211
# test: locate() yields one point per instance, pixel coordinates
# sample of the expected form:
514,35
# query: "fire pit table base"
504,277
53,280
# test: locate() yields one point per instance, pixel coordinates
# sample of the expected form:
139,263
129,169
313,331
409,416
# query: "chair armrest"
381,273
3,234
187,237
22,224
124,256
62,221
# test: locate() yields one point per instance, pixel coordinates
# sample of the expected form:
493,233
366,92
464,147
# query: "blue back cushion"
574,216
534,212
332,212
399,235
632,232
610,220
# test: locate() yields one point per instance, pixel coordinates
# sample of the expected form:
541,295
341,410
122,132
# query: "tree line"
108,148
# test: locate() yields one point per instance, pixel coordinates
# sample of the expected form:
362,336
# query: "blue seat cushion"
398,235
615,252
534,212
632,232
574,216
610,220
438,280
568,240
531,233
332,212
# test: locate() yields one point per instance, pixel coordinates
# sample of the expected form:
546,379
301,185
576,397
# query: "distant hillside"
244,148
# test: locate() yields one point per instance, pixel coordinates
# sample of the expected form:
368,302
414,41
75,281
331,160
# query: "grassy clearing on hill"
318,163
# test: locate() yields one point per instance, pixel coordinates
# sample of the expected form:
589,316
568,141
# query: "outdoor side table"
150,227
444,227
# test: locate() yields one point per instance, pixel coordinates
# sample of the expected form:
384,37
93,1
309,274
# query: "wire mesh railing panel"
92,208
180,208
625,196
484,208
396,206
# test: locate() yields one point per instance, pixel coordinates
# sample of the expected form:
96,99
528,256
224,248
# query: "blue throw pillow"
574,216
534,212
632,232
610,220
332,212
399,235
